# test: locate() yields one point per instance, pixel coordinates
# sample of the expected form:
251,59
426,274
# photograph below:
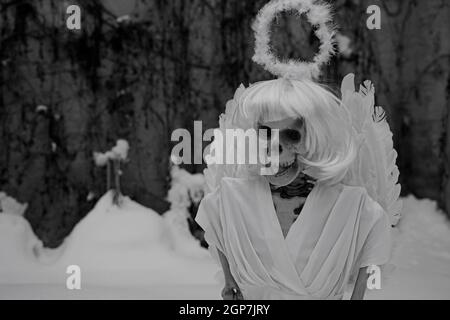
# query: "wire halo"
318,15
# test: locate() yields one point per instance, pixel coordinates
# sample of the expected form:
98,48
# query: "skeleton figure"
289,185
250,220
336,171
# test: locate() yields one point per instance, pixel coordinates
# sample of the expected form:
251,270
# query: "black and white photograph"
215,150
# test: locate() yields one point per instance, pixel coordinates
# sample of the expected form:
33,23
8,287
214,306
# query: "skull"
290,142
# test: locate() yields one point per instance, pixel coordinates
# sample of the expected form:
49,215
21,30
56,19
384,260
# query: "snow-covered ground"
421,255
129,252
132,253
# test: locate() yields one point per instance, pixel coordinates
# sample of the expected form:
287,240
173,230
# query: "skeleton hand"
231,291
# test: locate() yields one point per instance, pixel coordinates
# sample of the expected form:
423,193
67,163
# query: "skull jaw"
286,176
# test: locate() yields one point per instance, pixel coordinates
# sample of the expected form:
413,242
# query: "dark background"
177,61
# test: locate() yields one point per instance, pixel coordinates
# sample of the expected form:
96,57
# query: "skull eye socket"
291,135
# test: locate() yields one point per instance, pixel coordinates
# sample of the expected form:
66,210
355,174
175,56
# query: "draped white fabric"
339,230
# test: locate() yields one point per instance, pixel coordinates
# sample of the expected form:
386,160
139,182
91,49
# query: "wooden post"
117,192
108,176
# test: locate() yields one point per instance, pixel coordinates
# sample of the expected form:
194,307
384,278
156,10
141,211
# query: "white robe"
339,230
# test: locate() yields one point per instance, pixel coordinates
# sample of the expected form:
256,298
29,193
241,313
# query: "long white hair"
329,134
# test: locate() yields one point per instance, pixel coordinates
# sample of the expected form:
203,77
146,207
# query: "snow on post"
185,193
112,159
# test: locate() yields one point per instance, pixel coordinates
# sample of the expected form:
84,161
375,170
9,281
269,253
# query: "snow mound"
11,206
132,245
23,259
18,242
129,245
19,246
130,224
183,241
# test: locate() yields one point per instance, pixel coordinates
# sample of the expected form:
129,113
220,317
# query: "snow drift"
114,246
132,252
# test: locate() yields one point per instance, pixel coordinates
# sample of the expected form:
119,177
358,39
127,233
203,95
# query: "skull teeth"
287,164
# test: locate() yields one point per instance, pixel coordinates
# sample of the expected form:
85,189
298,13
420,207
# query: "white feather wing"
375,165
215,172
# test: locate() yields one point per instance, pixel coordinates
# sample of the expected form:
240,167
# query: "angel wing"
375,165
215,172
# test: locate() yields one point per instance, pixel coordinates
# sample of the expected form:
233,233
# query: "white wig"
329,138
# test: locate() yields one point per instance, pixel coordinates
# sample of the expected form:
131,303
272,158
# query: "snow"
178,196
421,255
124,18
90,196
11,205
133,253
186,188
132,245
183,242
41,108
116,247
101,159
118,152
18,243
